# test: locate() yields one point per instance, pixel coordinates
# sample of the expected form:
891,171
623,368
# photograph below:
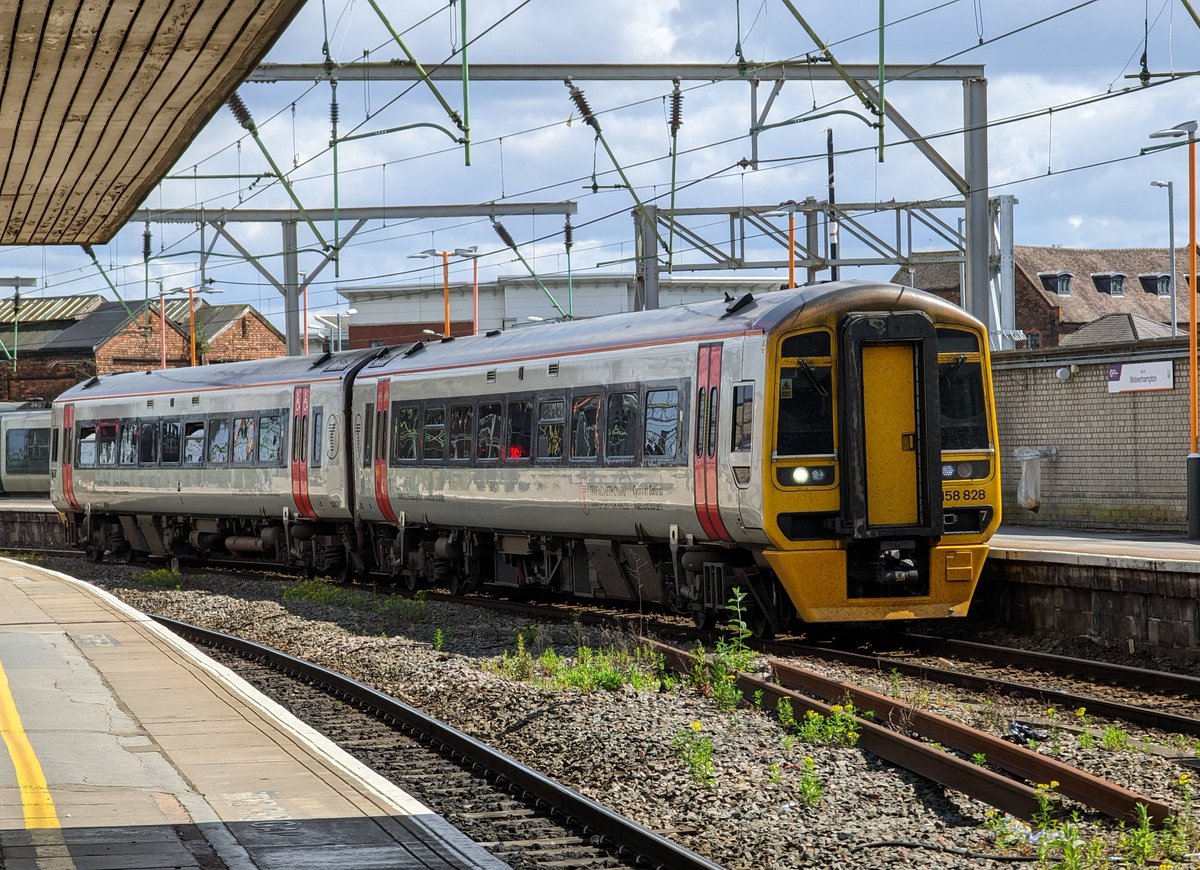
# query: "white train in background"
24,449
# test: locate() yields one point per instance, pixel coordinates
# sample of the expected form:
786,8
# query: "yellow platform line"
35,793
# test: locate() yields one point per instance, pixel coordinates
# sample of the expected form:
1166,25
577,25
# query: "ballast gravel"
619,747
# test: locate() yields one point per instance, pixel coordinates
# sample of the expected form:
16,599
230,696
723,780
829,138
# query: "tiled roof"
48,309
89,334
1117,329
930,276
211,320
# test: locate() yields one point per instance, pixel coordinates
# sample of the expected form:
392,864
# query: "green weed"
811,787
589,670
160,578
696,750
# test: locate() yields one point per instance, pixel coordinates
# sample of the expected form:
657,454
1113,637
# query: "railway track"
524,818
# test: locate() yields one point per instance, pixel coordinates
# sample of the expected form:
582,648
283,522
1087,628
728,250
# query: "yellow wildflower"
696,726
1081,712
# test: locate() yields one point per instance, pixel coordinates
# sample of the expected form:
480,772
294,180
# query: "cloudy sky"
1067,126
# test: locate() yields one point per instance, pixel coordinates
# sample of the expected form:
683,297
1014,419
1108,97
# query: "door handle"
908,441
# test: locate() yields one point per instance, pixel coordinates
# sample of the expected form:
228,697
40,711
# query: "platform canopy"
99,98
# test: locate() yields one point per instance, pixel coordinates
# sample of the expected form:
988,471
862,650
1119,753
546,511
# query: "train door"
704,468
890,438
383,393
301,426
66,470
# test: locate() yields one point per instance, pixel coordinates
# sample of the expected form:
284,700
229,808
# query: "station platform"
1125,550
128,748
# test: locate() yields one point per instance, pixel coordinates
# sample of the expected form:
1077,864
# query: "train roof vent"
417,347
739,303
492,332
552,370
491,376
321,360
92,381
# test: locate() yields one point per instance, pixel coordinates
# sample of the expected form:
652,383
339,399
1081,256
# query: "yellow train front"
883,485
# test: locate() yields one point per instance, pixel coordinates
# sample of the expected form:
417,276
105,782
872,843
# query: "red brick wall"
138,347
41,377
1034,314
403,333
246,338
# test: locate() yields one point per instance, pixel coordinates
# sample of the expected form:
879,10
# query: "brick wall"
42,378
1121,457
402,333
138,347
248,337
1033,314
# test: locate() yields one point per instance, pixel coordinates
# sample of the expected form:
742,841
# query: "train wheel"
173,564
759,625
454,584
129,556
93,554
704,619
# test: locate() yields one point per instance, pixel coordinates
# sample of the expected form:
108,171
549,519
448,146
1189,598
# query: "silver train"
24,449
659,457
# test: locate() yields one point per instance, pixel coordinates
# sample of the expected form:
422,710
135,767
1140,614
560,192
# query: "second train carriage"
830,450
24,448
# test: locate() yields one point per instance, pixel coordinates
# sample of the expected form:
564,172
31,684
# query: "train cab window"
27,451
489,440
621,437
433,444
368,442
518,443
662,423
243,440
270,439
106,443
550,429
87,447
743,418
404,433
148,442
963,414
462,432
218,442
193,442
585,424
127,450
318,426
804,422
171,441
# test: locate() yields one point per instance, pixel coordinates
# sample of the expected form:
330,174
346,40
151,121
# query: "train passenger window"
27,451
218,442
87,446
318,426
743,417
127,443
550,429
622,422
270,439
193,442
106,443
433,445
243,440
519,437
171,433
585,420
490,416
662,423
368,442
404,433
462,431
148,442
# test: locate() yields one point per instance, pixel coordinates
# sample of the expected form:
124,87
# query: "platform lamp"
788,208
1188,129
177,293
465,253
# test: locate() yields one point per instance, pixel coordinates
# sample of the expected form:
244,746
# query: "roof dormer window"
1056,282
1158,283
1110,283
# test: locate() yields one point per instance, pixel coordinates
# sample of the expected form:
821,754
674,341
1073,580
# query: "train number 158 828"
953,495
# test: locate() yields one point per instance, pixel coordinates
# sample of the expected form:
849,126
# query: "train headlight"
800,475
948,471
973,469
805,475
965,469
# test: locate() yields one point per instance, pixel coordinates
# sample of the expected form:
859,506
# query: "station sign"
1140,377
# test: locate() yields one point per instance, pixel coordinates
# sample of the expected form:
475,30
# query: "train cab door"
301,427
706,453
890,441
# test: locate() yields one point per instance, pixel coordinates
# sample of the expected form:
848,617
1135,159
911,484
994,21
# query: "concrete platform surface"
1130,550
127,748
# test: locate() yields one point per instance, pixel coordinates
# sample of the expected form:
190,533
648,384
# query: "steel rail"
613,828
978,683
1107,797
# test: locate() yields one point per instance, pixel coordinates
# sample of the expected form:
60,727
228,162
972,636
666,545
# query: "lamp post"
788,208
1170,186
465,253
162,315
1188,129
304,292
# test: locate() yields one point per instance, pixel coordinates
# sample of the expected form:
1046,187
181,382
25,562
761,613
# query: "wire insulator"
334,111
581,105
240,111
568,234
505,235
87,249
676,109
146,244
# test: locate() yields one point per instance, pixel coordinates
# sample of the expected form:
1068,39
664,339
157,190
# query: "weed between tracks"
322,590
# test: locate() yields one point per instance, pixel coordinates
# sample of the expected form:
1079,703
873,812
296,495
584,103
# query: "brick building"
228,333
1060,290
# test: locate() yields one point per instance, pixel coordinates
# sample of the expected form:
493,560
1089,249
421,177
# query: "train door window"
106,443
404,433
804,422
490,417
550,429
54,449
148,442
701,419
318,425
270,439
621,425
193,442
171,441
585,424
127,451
462,431
368,442
519,437
433,442
381,433
87,446
713,406
662,423
218,441
27,451
743,418
243,440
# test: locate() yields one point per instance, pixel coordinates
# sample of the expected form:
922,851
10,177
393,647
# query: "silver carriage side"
25,448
